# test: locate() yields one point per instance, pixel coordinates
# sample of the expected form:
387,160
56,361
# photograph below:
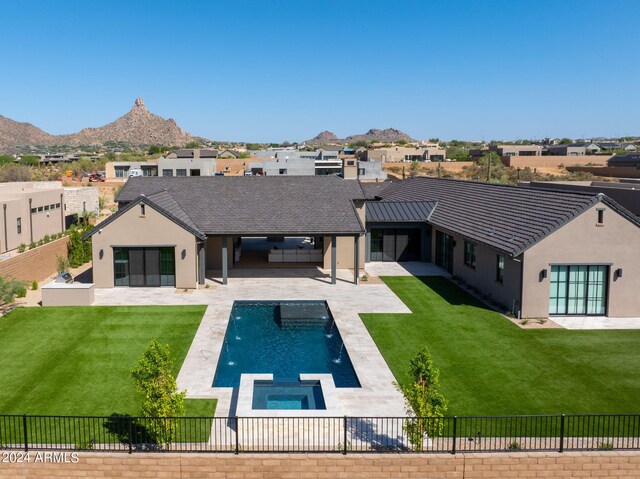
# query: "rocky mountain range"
389,135
139,126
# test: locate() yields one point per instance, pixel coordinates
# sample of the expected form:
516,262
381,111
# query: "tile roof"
255,205
508,218
399,211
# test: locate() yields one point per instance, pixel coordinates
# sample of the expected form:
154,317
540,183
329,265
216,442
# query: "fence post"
561,433
130,426
237,435
26,437
344,447
455,423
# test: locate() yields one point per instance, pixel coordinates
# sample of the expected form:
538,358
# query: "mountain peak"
138,105
139,126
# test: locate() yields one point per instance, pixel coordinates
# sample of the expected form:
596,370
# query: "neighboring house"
629,160
565,150
593,148
630,147
348,168
609,145
30,210
626,194
172,165
193,153
229,154
402,153
517,150
537,252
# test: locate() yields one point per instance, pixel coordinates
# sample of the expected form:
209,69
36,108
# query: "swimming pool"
286,339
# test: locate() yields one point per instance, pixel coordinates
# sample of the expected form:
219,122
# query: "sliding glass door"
578,290
144,266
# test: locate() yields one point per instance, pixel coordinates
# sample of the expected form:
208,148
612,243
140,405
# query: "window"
600,216
167,172
500,268
195,172
121,171
470,254
361,172
34,211
142,210
282,171
19,225
57,206
40,209
46,207
181,172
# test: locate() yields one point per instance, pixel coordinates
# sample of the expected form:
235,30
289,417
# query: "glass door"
578,290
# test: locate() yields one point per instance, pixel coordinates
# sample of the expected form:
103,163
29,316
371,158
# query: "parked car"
96,177
135,172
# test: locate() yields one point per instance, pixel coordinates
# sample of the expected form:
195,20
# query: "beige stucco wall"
582,242
44,222
344,252
152,229
483,276
67,294
213,252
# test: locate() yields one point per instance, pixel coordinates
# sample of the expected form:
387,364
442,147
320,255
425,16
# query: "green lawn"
77,360
489,366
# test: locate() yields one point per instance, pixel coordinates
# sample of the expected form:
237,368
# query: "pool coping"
244,406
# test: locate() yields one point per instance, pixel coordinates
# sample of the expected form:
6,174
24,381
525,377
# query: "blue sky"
285,70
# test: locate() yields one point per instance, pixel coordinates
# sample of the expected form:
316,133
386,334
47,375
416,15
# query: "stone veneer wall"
77,197
39,263
608,464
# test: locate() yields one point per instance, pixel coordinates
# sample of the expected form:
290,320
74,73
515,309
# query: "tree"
6,159
424,398
31,160
566,141
193,144
153,378
415,168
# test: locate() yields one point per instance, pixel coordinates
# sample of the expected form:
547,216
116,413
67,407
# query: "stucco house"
537,252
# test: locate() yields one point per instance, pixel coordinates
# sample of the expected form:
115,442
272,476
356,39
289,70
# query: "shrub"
514,446
34,285
22,248
424,398
605,445
21,291
46,239
10,289
32,245
79,250
62,264
161,399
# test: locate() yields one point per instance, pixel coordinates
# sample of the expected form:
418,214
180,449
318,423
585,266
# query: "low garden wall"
37,264
552,161
609,464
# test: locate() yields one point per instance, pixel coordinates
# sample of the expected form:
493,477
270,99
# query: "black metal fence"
343,435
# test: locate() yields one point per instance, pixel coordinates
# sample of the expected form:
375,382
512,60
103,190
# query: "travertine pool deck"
378,395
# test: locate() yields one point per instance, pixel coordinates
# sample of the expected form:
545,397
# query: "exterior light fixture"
184,254
619,273
543,274
101,254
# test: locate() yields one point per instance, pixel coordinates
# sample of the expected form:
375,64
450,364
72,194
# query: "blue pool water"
283,338
298,395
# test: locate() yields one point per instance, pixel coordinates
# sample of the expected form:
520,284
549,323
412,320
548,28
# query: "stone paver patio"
378,395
